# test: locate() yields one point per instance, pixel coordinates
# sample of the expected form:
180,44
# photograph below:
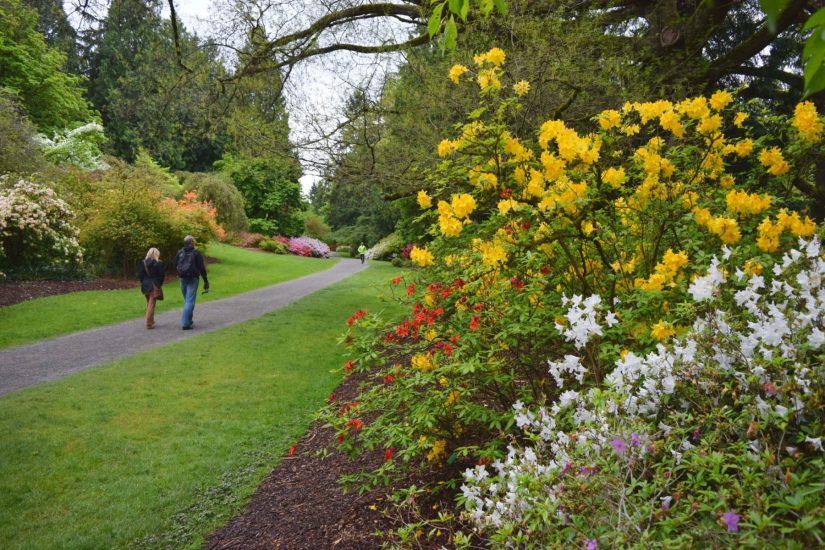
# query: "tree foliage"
34,72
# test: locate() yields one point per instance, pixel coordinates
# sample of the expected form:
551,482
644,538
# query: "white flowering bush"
711,440
36,230
79,147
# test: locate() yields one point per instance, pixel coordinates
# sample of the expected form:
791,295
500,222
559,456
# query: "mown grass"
239,270
161,448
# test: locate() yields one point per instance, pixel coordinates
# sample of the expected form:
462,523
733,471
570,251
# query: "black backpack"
185,264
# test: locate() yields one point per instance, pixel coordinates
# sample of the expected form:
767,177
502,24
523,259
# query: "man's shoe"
187,327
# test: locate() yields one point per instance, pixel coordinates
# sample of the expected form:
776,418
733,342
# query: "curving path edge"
30,364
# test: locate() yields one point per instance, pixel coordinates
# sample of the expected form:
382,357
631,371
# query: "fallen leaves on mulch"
300,505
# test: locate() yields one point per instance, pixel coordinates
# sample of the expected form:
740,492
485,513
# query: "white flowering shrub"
79,147
713,440
36,230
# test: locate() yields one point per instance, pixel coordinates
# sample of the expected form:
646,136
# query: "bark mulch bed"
14,292
300,505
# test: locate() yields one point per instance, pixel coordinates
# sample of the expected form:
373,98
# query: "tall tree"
35,73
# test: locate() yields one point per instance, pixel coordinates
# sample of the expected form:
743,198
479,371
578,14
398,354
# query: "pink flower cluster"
307,246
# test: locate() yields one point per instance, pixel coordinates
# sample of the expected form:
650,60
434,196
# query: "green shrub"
315,227
78,147
387,247
19,152
271,245
221,193
345,250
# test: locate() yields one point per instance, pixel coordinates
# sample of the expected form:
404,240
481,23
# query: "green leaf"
455,6
816,20
814,79
772,9
465,9
501,6
435,20
450,34
486,6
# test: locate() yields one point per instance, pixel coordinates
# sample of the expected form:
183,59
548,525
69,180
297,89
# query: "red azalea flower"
483,461
525,224
458,283
411,289
516,283
388,454
474,323
348,341
292,451
340,439
454,339
396,280
331,397
355,423
447,349
348,366
478,307
402,331
545,269
389,379
506,193
433,287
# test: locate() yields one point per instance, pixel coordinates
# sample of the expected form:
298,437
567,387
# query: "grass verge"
161,448
239,270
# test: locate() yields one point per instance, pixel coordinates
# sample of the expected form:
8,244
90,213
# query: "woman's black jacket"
155,274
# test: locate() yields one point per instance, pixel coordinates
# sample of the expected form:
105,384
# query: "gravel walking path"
31,364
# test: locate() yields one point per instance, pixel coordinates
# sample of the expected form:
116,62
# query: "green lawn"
239,270
161,448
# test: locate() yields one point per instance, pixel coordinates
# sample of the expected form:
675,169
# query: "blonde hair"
153,254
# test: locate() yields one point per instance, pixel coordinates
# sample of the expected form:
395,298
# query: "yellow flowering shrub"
631,208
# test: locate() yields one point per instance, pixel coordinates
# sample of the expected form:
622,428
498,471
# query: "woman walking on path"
151,276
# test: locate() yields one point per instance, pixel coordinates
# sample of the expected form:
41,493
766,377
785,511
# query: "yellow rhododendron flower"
806,121
505,205
753,267
720,100
773,160
614,177
726,181
453,397
492,254
456,71
423,362
496,56
631,130
463,205
447,147
745,204
726,229
438,451
739,119
424,200
744,147
522,87
709,125
609,119
421,256
662,331
430,335
488,80
670,121
450,226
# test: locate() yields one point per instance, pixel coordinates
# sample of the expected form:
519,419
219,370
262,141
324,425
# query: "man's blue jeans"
189,289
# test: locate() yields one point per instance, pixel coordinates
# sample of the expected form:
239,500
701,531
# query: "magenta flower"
635,440
619,445
732,521
591,544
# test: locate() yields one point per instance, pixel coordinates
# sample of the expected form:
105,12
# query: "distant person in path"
362,251
151,274
190,265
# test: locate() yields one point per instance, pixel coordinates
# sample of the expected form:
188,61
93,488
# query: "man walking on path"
362,251
190,265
